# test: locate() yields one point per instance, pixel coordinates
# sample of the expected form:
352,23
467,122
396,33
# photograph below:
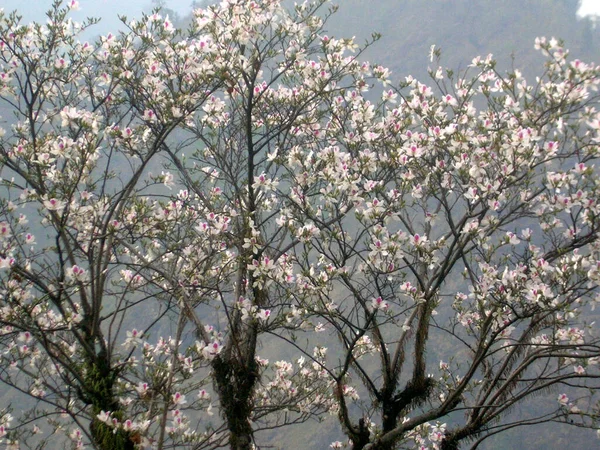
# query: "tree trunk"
99,392
360,436
235,381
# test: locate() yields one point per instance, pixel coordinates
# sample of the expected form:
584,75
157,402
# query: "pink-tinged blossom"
142,388
154,18
178,399
263,314
54,204
60,63
105,417
203,395
4,230
131,278
437,433
379,303
134,337
389,96
168,25
419,241
563,400
76,434
513,239
211,350
350,392
149,116
450,100
129,425
37,392
263,181
25,337
76,273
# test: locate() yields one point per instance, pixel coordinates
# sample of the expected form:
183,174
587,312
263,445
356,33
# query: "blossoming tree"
75,187
228,261
474,229
174,200
100,257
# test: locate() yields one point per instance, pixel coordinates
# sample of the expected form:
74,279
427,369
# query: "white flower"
431,53
263,315
129,425
211,350
203,395
379,303
53,204
149,115
4,230
563,400
133,338
76,273
104,417
178,398
168,178
141,388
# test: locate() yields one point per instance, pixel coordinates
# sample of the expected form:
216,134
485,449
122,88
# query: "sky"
35,9
589,7
109,10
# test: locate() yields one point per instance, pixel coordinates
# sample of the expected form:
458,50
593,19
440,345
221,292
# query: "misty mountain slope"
464,29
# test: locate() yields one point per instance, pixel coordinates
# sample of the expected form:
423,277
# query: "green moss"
99,392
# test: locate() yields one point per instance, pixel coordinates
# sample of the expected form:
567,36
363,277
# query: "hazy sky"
108,10
589,7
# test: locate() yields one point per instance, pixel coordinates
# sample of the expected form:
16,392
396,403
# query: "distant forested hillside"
464,29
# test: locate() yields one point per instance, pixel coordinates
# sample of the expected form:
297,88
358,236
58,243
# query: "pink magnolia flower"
105,417
178,398
76,273
149,116
203,395
141,388
563,400
54,204
379,303
263,314
4,230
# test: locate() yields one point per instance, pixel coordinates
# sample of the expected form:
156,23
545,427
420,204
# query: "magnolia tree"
228,261
100,257
174,201
76,185
461,219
